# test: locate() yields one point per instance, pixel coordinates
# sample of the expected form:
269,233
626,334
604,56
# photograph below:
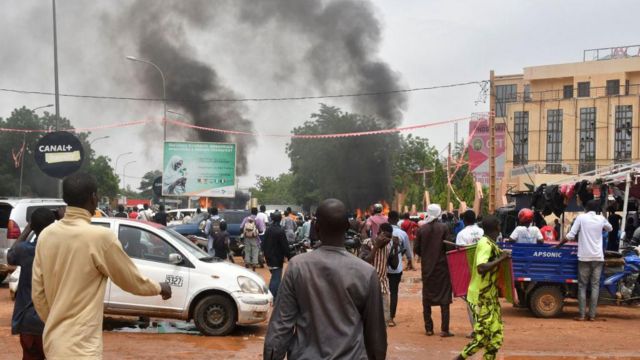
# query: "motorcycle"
352,242
624,285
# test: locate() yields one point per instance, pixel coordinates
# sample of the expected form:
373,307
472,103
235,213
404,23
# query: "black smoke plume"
330,46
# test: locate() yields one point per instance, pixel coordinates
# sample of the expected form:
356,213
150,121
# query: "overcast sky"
427,42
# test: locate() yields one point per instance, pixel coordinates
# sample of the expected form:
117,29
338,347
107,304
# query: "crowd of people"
328,303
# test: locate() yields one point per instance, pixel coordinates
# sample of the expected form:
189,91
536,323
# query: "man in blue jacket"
25,320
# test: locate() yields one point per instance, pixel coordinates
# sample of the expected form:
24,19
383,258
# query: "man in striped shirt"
378,257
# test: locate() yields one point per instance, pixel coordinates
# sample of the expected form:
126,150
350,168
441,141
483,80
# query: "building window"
554,141
584,89
613,87
520,138
527,92
505,94
622,145
587,139
567,92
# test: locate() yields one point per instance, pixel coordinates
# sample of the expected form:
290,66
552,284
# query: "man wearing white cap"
436,283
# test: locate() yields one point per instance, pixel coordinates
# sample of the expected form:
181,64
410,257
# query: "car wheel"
215,315
547,301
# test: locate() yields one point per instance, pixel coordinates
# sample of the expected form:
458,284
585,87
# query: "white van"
216,294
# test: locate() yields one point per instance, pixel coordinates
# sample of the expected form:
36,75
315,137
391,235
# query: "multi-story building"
568,119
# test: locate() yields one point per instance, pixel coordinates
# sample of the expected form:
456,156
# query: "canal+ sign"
59,154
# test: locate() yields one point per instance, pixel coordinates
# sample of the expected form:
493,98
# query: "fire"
206,203
385,207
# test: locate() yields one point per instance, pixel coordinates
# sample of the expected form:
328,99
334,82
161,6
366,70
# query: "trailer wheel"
547,302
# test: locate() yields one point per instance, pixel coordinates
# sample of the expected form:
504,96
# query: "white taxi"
217,295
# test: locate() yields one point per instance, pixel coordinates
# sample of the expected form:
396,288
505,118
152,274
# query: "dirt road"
526,337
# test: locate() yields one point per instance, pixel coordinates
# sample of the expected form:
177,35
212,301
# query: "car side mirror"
175,259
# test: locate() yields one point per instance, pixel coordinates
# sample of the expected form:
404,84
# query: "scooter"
624,286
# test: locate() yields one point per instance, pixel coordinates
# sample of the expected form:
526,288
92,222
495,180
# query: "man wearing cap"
373,223
436,283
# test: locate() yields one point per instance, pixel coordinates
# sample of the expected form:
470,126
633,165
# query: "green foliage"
108,182
414,155
35,183
270,190
335,167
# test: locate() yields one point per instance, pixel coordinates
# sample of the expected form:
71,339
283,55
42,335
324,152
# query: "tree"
270,190
108,181
413,156
356,170
146,184
35,183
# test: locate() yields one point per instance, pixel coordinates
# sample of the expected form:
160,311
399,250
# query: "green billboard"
199,169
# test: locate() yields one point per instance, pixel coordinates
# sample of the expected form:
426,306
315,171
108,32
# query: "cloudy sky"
426,42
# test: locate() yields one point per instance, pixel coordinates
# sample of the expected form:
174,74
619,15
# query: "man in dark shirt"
330,304
275,248
121,213
161,216
25,320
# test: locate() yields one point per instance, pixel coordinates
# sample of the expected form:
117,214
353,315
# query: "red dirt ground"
526,337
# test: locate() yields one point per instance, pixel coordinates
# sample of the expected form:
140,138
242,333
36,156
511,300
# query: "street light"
42,107
118,158
124,169
164,91
96,139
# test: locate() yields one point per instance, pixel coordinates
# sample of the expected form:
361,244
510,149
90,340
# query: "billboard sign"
199,169
479,149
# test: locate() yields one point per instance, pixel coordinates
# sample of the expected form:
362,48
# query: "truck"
544,276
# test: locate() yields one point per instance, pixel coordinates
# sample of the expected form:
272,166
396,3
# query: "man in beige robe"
73,261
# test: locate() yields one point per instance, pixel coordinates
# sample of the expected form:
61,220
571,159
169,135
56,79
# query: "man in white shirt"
589,226
471,232
526,233
262,215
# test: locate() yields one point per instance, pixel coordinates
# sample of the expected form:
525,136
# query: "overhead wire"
253,99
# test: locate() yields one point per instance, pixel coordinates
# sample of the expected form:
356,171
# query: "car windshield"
188,245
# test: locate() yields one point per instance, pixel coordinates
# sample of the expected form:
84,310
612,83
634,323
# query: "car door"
150,252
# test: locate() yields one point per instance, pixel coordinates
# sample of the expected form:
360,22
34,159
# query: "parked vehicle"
14,216
217,295
233,218
177,216
544,276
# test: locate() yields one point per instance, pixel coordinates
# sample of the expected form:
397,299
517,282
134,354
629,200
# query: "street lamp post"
124,169
96,139
118,158
42,107
164,92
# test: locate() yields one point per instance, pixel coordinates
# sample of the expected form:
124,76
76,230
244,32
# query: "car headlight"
250,286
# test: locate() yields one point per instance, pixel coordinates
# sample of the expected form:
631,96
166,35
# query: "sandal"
429,332
391,323
446,334
579,318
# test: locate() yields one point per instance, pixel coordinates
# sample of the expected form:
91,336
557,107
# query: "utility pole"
55,75
492,143
455,132
448,176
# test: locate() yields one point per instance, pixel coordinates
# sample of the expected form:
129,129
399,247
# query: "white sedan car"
216,294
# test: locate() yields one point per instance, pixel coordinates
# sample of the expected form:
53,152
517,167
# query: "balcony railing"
559,94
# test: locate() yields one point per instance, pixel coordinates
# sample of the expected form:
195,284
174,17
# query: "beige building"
568,119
